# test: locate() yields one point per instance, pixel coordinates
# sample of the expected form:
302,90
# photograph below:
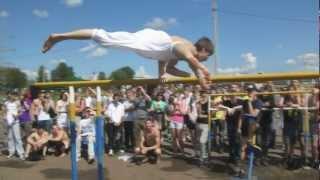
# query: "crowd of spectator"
141,121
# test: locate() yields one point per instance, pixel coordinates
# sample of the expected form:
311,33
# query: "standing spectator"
128,121
203,129
141,104
44,120
265,122
12,106
24,116
314,105
218,124
158,108
80,105
86,132
62,110
251,109
115,113
176,125
291,130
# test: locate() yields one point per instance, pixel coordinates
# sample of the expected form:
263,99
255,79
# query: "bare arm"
81,34
171,69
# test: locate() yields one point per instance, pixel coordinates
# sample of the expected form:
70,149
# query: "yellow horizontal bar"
262,93
190,80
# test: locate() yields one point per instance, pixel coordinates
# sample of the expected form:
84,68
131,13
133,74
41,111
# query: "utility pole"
215,35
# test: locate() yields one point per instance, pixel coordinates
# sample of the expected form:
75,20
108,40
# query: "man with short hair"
37,142
150,143
151,44
58,141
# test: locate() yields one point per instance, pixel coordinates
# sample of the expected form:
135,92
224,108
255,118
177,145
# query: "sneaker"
121,151
10,156
110,152
91,161
22,158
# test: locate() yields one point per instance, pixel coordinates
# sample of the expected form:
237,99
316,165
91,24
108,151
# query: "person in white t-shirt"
11,109
115,113
61,109
86,131
151,44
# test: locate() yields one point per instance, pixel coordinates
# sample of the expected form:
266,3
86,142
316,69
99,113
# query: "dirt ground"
168,169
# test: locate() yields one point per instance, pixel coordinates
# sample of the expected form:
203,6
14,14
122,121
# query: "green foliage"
42,74
12,78
122,73
63,73
102,76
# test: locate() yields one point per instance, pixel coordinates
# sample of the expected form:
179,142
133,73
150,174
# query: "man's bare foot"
52,39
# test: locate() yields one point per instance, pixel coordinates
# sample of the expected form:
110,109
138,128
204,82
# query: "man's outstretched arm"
171,69
81,34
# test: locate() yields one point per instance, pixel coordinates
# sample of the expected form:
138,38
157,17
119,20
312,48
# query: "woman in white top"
61,109
11,107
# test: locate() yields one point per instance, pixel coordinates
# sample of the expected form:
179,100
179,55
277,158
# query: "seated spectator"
58,141
149,143
86,131
37,143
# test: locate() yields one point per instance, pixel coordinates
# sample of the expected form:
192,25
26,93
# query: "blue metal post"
251,158
100,146
74,165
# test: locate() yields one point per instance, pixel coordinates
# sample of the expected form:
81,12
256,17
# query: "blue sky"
254,36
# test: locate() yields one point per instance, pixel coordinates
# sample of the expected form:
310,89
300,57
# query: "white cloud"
98,52
141,73
250,59
310,61
250,65
41,13
89,47
159,23
57,61
291,62
73,3
4,13
30,73
306,61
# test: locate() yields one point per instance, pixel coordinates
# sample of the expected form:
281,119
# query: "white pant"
91,141
148,43
14,139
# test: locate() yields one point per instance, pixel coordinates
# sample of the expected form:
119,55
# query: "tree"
122,73
14,78
62,73
42,74
102,76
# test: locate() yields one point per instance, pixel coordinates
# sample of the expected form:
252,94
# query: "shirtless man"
150,143
151,44
58,141
37,141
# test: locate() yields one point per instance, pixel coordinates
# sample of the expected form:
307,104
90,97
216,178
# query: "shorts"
189,123
176,125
